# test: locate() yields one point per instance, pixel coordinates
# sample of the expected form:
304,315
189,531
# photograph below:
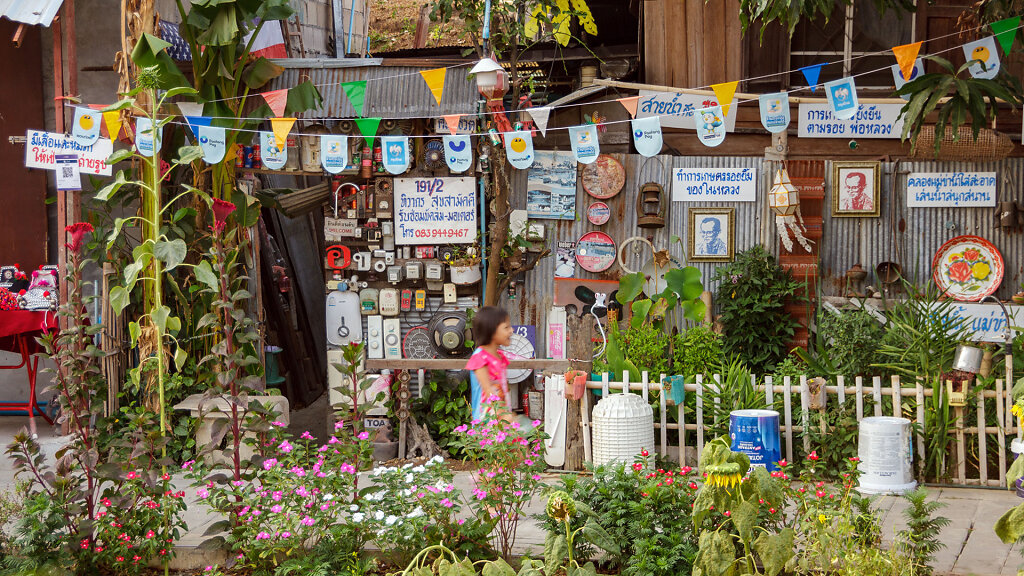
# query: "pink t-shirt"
496,366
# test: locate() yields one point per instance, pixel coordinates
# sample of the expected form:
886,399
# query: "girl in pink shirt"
489,385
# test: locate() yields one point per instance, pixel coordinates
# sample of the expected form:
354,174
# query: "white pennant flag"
985,55
147,139
396,153
583,140
647,135
86,129
272,157
334,152
842,96
710,123
458,153
540,118
519,149
213,141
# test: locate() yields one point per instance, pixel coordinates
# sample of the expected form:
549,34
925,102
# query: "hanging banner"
277,100
811,74
86,127
455,124
194,122
273,157
334,152
145,142
41,149
906,56
676,110
842,97
871,121
984,51
951,189
710,126
724,92
113,122
540,118
396,153
281,128
629,103
435,211
647,135
583,140
898,79
435,82
519,149
368,128
774,111
213,141
356,92
1006,31
458,153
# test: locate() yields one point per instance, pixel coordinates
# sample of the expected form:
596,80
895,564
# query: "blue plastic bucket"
756,434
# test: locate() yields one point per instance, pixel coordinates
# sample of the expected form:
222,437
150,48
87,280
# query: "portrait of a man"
710,242
711,234
855,188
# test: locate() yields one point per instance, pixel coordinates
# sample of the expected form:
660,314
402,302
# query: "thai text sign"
956,189
435,210
467,125
41,149
677,110
870,121
988,321
714,185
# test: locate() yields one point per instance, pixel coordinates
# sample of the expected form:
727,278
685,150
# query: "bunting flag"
1006,31
435,81
334,152
273,156
356,92
629,103
113,121
193,115
396,153
368,128
281,128
647,135
147,140
452,122
774,111
724,92
987,59
906,55
519,149
897,76
842,97
710,124
811,73
540,118
277,100
213,141
458,153
583,140
86,127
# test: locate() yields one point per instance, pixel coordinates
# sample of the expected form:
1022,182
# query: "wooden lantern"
783,197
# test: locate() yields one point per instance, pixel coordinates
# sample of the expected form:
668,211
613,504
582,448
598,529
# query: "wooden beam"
544,364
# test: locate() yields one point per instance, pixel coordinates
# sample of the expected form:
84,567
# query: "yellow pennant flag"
113,121
724,92
435,81
281,128
906,55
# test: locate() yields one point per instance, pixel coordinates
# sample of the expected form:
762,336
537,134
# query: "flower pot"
968,358
1018,298
384,451
464,275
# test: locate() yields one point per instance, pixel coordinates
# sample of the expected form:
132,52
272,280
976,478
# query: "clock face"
520,347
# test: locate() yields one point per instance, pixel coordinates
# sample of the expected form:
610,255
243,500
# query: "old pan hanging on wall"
650,200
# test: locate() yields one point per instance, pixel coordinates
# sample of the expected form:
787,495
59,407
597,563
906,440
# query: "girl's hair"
486,322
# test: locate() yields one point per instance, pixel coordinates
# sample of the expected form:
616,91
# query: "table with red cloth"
18,332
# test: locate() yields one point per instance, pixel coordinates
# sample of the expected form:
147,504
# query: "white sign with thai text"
951,189
337,228
466,125
435,210
987,320
871,121
676,110
714,185
41,149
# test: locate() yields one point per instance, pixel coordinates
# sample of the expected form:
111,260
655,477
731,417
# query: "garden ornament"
785,201
41,293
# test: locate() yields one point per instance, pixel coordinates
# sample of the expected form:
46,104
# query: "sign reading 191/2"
441,210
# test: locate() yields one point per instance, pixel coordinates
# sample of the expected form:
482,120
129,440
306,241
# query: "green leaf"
119,105
172,253
189,154
1016,470
119,155
630,286
498,568
180,90
600,537
717,553
150,51
119,299
685,282
160,316
110,189
133,332
223,29
775,550
259,72
204,273
556,551
640,309
530,568
180,356
744,517
131,273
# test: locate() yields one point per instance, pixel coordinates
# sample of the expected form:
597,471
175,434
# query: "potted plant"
1018,298
465,266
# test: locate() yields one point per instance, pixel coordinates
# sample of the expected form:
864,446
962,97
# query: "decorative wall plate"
598,213
595,252
968,268
604,178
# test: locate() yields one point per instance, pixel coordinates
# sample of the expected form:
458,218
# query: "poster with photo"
551,186
565,266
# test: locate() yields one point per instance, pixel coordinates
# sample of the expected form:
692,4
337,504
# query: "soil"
393,26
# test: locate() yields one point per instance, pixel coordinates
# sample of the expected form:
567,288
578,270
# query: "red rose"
971,254
959,271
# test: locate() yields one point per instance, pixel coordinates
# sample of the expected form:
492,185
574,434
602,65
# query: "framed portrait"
856,189
711,235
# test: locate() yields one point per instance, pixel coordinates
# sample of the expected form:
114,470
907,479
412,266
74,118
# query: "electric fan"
519,348
447,331
433,154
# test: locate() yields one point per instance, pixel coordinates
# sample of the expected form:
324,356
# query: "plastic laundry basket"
623,426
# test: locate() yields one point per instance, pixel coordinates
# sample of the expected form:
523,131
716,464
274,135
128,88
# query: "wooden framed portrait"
856,189
711,235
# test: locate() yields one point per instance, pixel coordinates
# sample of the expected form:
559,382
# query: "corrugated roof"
391,91
30,11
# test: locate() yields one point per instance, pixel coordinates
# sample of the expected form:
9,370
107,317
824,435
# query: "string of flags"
710,121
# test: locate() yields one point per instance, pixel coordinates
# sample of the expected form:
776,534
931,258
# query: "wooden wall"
690,43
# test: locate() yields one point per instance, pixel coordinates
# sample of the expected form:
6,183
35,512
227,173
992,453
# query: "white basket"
623,426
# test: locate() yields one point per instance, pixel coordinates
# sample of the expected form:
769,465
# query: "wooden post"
581,353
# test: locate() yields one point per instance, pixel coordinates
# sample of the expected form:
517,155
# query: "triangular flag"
811,73
435,81
281,128
452,121
724,92
368,128
629,103
356,92
1006,31
113,121
905,57
190,108
540,118
277,100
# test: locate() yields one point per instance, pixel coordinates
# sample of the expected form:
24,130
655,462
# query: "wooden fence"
868,396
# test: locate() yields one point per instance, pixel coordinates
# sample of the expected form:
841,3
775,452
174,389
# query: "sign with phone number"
435,210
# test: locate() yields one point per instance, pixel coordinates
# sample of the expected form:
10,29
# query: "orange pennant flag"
452,120
906,55
724,92
113,122
277,100
629,103
435,81
281,128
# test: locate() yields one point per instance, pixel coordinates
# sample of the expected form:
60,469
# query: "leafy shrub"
644,345
854,337
697,351
920,540
443,406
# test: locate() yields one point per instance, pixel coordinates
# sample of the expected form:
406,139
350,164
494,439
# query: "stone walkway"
972,548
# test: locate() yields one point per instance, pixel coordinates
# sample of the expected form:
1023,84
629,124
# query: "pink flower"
221,210
325,507
339,425
262,536
363,435
813,456
447,503
307,521
276,508
202,493
536,423
286,534
298,471
462,521
132,475
285,447
188,465
528,462
536,477
77,231
306,435
276,495
278,424
269,463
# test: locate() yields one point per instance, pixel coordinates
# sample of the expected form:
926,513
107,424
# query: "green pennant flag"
368,128
1006,31
356,92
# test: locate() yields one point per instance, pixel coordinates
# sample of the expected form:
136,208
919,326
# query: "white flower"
353,508
406,492
416,513
407,466
378,515
390,519
358,517
436,460
419,470
328,496
408,478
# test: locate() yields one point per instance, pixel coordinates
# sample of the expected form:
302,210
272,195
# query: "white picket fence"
796,414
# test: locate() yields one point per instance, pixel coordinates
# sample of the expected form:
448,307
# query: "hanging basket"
989,146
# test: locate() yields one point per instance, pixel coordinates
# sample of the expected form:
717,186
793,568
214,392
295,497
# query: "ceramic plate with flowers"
968,268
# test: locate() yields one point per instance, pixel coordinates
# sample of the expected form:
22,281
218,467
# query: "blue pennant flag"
811,73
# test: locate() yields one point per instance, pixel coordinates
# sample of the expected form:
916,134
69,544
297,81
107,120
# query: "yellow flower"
822,518
726,475
980,270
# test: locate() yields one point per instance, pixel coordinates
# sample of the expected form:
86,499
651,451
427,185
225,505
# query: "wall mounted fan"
433,154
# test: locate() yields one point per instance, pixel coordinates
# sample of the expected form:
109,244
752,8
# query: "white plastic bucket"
886,455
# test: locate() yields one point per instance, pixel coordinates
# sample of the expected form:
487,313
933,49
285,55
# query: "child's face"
503,335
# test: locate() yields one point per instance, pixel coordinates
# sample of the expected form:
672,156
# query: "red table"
18,331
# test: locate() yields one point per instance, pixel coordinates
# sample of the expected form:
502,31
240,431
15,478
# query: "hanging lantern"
491,79
783,197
